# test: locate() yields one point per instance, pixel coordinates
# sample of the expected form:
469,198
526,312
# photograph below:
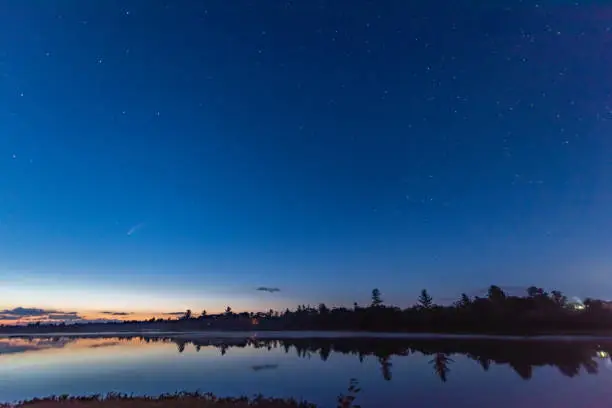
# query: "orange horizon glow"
94,315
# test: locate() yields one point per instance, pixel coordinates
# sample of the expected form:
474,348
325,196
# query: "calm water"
392,372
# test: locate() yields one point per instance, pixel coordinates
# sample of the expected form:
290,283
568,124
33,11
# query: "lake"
393,371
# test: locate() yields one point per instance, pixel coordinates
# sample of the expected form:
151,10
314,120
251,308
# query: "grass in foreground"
179,400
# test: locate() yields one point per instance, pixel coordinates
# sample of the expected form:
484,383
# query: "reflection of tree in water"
324,352
361,356
569,357
385,366
440,363
484,362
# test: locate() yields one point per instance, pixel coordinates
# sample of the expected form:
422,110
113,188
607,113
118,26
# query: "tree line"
536,312
497,312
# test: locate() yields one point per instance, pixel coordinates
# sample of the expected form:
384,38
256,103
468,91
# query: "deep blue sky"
159,155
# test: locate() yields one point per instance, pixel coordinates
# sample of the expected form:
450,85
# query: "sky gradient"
157,156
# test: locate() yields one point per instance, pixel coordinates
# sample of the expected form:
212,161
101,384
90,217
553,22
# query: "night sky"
157,155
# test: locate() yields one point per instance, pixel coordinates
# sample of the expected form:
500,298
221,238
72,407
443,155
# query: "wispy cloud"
106,312
25,315
25,311
135,228
64,316
28,315
267,289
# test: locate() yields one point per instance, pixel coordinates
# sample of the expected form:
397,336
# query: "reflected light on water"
47,352
440,370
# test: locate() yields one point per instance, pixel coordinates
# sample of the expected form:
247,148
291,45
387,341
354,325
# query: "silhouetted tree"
203,314
558,298
532,291
593,306
496,294
323,309
187,314
425,300
376,300
464,301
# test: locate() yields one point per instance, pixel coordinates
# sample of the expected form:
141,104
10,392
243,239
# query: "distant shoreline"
317,334
535,315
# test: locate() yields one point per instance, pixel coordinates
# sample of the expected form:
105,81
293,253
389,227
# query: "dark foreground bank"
178,400
164,401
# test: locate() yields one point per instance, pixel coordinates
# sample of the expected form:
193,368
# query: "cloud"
135,228
267,289
24,316
117,313
24,312
175,313
64,316
8,317
32,315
